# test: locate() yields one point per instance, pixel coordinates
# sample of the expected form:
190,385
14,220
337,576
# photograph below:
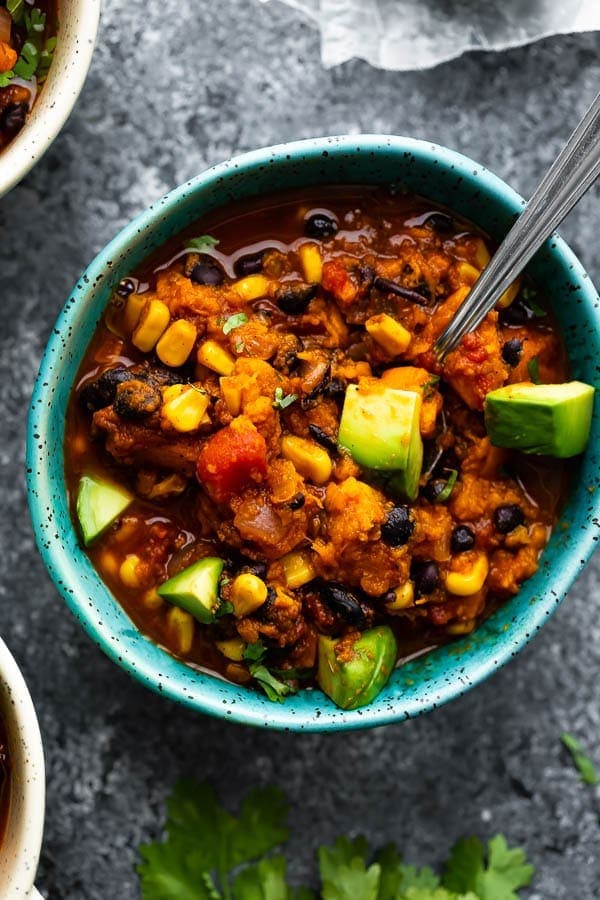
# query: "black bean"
257,568
136,400
102,391
125,287
294,299
386,286
321,437
297,502
207,273
434,488
463,539
425,575
320,226
335,388
398,526
518,313
13,118
441,222
343,602
508,517
511,352
248,265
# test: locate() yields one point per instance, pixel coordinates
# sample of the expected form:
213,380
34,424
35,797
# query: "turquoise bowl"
445,177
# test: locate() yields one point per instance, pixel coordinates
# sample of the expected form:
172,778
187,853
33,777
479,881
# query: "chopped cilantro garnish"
204,242
209,854
225,608
447,490
36,53
274,689
254,652
282,401
584,764
234,322
533,367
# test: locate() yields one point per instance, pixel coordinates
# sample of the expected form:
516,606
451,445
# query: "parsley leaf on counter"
205,843
204,242
209,854
498,878
583,763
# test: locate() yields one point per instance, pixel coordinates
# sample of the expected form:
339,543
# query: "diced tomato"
338,281
474,348
232,459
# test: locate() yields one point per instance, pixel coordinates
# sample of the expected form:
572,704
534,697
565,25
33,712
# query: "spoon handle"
571,175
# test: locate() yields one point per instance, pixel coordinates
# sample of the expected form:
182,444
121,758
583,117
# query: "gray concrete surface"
174,87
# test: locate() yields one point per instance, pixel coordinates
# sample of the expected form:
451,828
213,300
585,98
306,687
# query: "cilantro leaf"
282,401
274,689
6,78
533,367
204,242
234,322
254,652
419,893
506,869
397,878
266,881
27,63
17,10
583,763
344,872
205,843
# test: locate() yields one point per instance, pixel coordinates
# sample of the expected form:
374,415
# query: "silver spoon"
572,173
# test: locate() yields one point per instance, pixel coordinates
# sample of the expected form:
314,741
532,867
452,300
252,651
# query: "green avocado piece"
550,419
99,503
357,682
406,482
379,427
196,589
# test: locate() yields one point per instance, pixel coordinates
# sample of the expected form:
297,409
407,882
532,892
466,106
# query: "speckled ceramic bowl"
77,32
20,849
423,684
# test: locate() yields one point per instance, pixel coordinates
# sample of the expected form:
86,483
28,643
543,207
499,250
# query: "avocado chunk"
379,427
406,482
196,589
356,677
549,419
99,503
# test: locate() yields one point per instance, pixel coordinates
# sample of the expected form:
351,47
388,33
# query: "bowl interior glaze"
445,177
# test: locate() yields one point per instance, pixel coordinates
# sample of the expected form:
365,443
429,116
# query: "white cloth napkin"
418,34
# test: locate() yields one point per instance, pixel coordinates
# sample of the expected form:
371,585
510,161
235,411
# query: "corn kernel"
177,343
232,649
252,287
468,274
153,321
509,294
482,254
312,263
152,599
390,334
298,569
232,394
310,460
181,627
215,357
464,584
184,407
461,627
133,310
108,562
248,593
128,571
403,597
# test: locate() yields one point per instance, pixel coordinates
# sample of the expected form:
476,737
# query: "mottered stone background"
175,87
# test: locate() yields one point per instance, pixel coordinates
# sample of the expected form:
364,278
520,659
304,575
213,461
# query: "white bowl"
78,24
20,849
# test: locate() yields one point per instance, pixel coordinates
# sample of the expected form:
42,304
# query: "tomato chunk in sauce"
213,391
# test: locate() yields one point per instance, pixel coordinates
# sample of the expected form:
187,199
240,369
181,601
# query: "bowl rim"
63,569
28,147
18,712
